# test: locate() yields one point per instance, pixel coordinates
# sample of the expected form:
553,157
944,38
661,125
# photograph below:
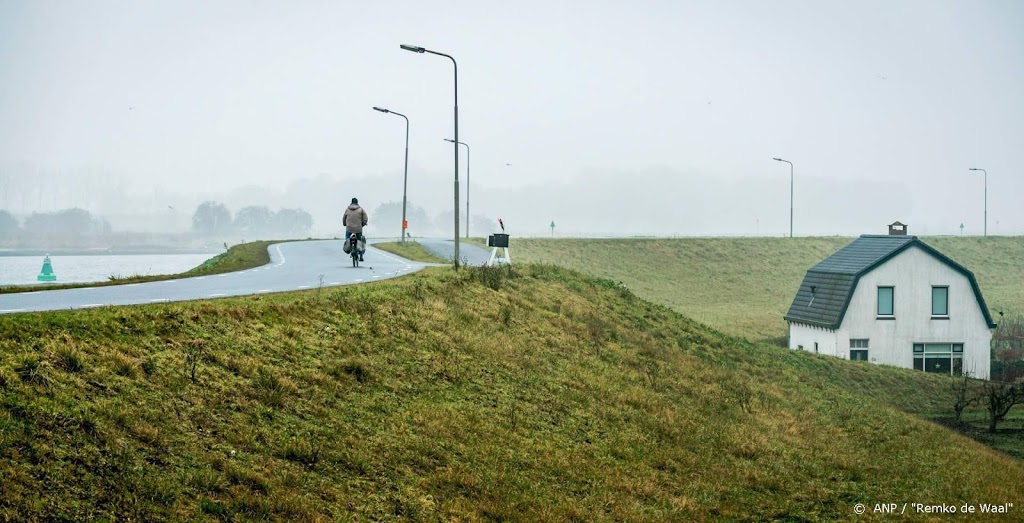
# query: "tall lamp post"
456,145
467,184
405,177
986,196
790,193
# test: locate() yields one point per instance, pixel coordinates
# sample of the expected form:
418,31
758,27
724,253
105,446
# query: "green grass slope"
533,395
410,250
743,286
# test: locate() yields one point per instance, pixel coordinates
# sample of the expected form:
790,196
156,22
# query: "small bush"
302,451
271,389
30,369
70,360
356,368
6,380
125,366
149,366
493,277
209,506
505,314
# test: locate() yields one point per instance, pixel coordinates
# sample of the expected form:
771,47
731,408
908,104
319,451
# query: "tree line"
79,227
213,218
67,224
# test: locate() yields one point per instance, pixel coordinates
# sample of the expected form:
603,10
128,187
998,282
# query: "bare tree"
999,397
965,394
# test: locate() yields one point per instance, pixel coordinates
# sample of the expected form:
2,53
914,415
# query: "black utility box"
497,240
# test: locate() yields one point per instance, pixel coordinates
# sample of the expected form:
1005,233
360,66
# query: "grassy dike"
238,257
536,394
743,286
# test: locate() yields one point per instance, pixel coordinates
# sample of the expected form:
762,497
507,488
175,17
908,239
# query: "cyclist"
354,220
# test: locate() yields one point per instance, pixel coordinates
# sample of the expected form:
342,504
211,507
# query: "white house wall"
912,273
806,336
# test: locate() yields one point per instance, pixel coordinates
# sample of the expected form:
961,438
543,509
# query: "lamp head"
413,48
449,140
381,110
973,169
777,159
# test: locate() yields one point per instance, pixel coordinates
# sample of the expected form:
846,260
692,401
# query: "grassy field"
534,394
743,286
410,250
237,258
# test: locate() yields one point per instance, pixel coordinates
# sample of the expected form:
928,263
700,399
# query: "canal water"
22,270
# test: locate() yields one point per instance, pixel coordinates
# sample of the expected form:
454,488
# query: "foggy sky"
670,109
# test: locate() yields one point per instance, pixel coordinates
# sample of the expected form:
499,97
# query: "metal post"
456,145
790,193
405,177
467,182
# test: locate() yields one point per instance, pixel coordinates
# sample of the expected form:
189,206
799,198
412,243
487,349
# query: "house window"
942,358
815,347
885,297
859,350
940,301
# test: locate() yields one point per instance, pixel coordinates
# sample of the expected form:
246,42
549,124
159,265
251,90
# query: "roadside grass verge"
238,257
527,393
410,250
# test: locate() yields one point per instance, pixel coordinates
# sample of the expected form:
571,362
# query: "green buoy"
46,274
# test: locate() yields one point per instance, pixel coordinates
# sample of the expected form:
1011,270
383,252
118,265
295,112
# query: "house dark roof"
828,287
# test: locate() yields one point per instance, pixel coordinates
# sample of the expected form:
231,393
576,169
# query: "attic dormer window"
812,296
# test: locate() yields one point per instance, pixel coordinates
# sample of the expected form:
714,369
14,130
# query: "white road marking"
12,310
216,295
303,286
376,276
264,290
158,300
90,305
357,281
335,283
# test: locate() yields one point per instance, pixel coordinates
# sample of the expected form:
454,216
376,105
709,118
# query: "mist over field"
656,118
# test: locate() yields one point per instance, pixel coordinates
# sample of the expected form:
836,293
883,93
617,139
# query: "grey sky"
204,97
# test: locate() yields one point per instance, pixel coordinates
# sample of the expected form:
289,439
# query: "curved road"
471,253
293,266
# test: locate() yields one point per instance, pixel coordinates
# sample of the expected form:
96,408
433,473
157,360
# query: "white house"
897,301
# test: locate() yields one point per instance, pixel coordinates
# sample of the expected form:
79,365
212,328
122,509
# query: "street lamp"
790,193
467,184
422,50
405,178
986,196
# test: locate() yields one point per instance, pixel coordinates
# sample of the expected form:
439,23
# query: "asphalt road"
471,253
293,266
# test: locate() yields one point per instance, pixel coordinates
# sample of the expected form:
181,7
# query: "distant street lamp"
986,196
467,184
456,144
405,178
790,193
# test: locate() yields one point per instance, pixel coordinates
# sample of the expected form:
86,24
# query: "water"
22,270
